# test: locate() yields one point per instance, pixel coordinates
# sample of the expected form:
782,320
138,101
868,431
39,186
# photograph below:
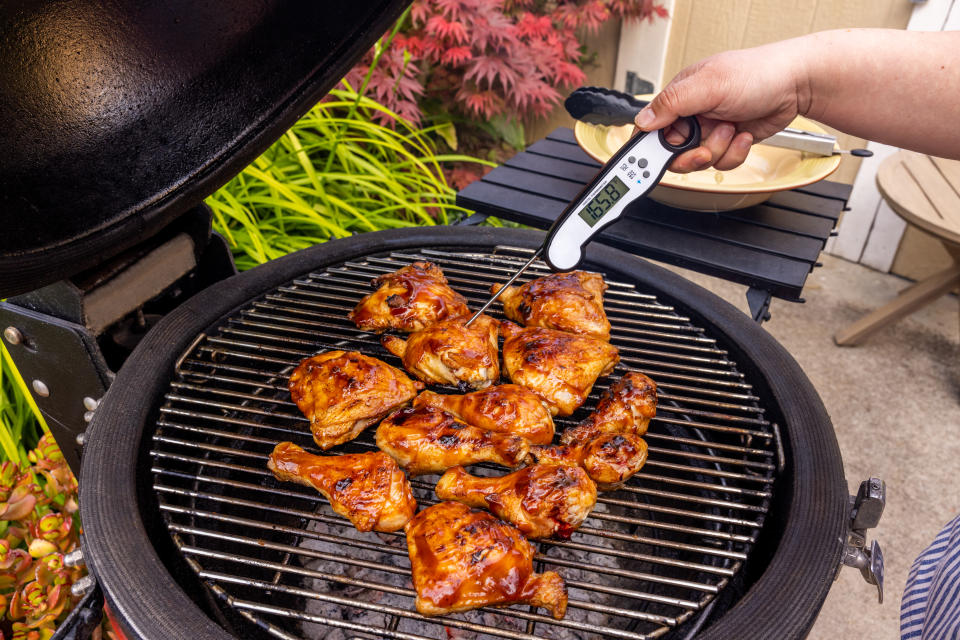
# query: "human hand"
739,97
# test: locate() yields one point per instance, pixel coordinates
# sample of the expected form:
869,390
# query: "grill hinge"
865,510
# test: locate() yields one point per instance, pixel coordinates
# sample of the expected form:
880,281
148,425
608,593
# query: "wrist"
803,72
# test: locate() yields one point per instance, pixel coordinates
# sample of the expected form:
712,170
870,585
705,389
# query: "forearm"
897,87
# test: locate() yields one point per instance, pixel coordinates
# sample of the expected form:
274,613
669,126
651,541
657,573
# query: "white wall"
643,49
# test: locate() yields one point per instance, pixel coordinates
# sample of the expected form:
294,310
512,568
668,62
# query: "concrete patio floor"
895,405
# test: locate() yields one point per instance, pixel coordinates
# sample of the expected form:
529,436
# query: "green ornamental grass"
336,172
20,420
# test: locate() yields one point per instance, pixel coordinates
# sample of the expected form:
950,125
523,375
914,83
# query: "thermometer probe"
630,174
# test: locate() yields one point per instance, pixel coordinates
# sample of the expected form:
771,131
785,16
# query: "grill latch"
865,510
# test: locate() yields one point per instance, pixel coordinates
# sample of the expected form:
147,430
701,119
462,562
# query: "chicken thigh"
557,366
429,440
462,559
450,353
505,408
541,500
368,488
409,299
570,301
626,407
609,459
343,392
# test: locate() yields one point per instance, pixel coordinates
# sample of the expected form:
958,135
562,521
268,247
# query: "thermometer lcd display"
603,201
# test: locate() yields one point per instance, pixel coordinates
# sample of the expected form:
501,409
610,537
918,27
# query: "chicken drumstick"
609,459
505,408
626,407
368,488
429,440
541,500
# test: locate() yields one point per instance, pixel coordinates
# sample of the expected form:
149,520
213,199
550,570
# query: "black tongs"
608,107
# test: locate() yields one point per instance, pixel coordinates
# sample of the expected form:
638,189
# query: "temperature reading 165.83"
603,201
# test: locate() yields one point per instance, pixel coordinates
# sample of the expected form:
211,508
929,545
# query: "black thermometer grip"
692,141
632,172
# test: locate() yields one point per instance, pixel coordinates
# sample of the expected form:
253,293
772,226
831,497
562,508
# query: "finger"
719,140
692,160
736,153
673,133
679,132
682,97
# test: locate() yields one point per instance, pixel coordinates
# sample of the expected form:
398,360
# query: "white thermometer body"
630,174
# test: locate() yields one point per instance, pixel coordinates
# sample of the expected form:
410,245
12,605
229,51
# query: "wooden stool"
924,191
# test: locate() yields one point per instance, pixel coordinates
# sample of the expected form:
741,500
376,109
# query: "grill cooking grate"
650,557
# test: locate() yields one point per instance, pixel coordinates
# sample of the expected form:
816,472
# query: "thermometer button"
631,159
646,174
642,163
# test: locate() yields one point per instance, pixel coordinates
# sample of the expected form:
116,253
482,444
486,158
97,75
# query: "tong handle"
598,105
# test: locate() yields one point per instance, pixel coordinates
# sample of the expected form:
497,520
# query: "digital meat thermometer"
630,174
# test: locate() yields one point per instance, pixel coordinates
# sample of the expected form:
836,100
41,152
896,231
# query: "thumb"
684,97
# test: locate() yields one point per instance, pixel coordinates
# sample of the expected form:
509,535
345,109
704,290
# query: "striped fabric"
930,609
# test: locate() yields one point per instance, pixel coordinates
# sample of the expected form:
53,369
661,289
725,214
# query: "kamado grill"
735,527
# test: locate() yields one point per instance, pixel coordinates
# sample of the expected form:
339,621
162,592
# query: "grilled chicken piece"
462,559
557,366
570,301
409,299
541,500
368,488
429,440
343,392
451,353
505,408
626,407
609,459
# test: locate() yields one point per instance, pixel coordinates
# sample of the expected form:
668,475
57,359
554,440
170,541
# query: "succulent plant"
38,526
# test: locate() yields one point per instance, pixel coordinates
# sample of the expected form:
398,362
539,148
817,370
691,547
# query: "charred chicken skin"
505,408
429,440
570,301
463,558
450,353
343,392
541,500
626,407
409,299
557,366
368,488
609,459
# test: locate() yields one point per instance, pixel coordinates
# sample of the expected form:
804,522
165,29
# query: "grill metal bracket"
866,508
68,338
759,302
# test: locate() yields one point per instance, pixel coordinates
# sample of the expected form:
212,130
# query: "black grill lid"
119,116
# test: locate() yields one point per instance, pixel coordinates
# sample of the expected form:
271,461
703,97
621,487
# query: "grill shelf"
650,557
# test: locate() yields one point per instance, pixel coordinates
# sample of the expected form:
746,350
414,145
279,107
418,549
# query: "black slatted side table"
771,247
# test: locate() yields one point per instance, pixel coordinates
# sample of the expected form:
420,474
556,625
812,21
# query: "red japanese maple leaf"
448,31
485,57
456,56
